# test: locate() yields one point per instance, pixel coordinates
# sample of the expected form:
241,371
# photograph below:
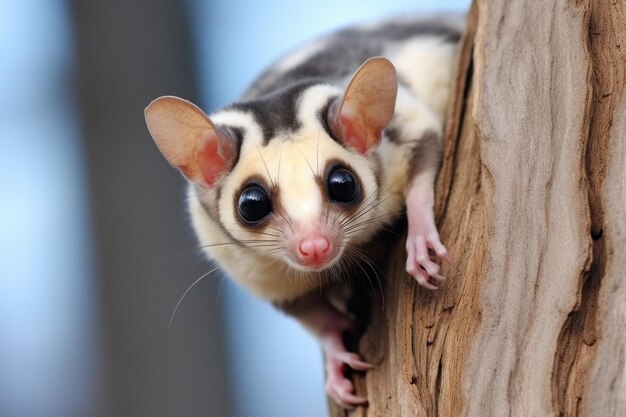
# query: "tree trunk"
531,202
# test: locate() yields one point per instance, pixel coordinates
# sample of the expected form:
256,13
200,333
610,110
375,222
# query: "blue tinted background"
49,349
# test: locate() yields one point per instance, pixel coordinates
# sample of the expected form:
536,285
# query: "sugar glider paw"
340,388
419,264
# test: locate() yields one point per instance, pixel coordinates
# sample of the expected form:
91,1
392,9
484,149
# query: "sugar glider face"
296,198
292,176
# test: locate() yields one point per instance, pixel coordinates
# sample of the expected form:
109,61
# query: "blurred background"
95,244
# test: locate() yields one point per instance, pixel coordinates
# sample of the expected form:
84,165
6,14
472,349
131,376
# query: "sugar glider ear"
189,140
366,107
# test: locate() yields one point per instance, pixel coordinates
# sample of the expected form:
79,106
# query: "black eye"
343,186
254,204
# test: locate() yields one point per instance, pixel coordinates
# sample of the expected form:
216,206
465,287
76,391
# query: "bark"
531,204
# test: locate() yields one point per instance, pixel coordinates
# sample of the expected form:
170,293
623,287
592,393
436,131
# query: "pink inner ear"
210,162
356,136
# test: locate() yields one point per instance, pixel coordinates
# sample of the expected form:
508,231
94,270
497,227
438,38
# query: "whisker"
364,258
272,251
393,254
167,258
365,272
309,279
204,275
258,232
366,204
160,261
328,212
386,229
307,161
279,274
209,272
342,270
363,255
266,168
274,228
280,160
317,164
364,212
366,208
269,265
345,209
373,220
367,224
219,291
285,219
260,245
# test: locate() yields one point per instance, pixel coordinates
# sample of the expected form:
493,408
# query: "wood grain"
533,94
604,391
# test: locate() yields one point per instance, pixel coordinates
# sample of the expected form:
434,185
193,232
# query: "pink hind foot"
338,387
329,324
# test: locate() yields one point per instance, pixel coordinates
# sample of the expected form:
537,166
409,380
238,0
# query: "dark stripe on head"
208,200
323,117
426,154
276,112
237,137
392,134
377,168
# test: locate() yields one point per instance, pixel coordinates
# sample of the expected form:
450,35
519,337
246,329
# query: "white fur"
240,119
312,100
426,63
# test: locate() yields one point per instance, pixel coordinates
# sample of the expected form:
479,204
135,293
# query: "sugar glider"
327,147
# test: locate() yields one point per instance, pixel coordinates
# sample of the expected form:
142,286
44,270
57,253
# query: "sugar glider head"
292,175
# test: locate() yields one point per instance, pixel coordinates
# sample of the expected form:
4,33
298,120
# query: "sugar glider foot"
338,386
421,240
422,236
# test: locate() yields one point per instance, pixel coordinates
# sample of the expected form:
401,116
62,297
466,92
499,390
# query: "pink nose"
314,250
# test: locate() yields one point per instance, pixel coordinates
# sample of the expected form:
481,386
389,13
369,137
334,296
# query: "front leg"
422,233
329,325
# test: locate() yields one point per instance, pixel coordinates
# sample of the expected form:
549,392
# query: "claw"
340,388
422,237
422,233
345,398
354,361
329,325
439,249
423,279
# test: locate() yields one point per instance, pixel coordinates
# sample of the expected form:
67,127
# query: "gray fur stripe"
209,204
344,51
426,155
277,112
